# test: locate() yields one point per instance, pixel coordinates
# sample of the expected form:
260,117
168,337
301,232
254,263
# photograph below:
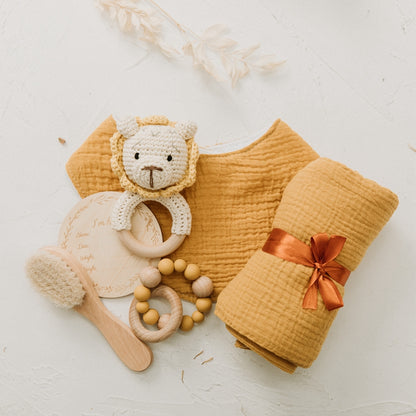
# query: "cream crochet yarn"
176,204
154,139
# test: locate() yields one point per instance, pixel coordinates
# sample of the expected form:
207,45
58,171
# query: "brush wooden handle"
134,353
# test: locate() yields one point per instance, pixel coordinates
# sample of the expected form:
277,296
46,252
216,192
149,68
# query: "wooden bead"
166,267
150,276
163,320
202,287
180,265
151,316
198,317
192,272
203,304
142,293
187,323
142,307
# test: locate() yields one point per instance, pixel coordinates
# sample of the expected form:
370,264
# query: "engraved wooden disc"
86,233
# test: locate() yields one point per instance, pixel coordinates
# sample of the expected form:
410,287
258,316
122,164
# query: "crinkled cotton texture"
233,201
262,306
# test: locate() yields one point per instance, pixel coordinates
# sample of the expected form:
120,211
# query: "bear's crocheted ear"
127,126
186,129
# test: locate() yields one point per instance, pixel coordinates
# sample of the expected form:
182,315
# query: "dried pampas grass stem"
213,51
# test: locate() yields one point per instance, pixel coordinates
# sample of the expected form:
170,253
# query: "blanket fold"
262,305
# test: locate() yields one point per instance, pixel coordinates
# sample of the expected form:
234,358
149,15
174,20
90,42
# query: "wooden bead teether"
169,327
168,323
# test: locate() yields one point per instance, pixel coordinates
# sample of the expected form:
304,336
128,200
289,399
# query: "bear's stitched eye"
169,158
136,156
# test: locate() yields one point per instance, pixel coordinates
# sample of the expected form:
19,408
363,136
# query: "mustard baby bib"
233,201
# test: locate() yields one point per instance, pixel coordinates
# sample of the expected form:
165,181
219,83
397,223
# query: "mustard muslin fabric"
233,201
262,305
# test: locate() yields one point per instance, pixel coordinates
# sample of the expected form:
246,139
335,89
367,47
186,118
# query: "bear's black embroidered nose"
151,169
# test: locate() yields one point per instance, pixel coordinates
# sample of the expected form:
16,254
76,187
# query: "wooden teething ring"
171,326
181,224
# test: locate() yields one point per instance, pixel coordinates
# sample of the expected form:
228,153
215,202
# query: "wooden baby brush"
60,277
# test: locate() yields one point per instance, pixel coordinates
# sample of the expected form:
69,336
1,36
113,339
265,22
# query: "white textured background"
348,87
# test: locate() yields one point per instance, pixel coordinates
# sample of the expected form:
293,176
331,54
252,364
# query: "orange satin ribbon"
321,256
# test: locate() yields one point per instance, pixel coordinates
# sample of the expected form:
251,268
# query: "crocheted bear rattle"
154,160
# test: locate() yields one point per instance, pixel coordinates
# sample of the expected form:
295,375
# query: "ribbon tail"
310,300
330,293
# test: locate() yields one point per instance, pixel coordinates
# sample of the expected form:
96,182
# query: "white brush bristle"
55,279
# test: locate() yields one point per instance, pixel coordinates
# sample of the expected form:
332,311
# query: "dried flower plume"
213,50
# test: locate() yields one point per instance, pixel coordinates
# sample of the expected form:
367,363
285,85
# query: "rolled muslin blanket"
269,305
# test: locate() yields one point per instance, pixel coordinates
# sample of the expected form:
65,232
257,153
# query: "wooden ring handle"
171,326
143,250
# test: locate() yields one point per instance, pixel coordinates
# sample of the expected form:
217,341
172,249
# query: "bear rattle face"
155,157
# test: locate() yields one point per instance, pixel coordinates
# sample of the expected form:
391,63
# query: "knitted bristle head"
54,279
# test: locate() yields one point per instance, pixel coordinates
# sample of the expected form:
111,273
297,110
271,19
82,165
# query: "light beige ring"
181,223
171,326
142,250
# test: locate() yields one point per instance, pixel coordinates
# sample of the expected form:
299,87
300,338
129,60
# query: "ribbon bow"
321,256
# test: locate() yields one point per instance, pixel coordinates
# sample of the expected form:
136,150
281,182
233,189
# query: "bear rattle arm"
176,204
123,210
181,223
180,212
